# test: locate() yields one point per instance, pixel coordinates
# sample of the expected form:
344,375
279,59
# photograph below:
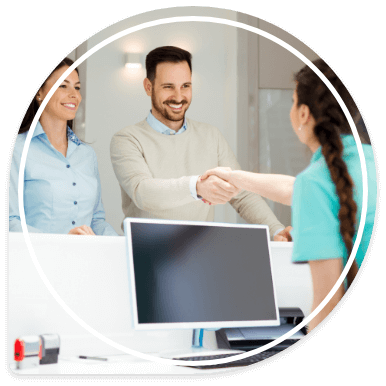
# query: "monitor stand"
197,348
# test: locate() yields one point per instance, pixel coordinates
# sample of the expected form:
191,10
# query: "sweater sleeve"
134,176
250,206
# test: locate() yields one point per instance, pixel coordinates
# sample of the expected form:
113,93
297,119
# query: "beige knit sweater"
154,171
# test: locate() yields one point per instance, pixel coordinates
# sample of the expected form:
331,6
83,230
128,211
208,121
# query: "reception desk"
89,273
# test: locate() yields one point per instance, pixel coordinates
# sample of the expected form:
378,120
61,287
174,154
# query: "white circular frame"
217,21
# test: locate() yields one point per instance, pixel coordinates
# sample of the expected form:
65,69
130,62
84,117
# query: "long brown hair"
34,105
330,124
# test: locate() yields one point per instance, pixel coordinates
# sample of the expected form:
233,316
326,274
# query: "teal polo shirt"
315,206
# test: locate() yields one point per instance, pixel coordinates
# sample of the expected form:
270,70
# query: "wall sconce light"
133,60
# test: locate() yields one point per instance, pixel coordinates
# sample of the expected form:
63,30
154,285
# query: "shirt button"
73,223
74,183
68,166
75,202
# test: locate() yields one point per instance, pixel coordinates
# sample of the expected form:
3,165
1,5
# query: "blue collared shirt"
60,192
163,129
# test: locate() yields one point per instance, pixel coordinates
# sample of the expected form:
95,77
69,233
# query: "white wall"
276,64
223,73
115,96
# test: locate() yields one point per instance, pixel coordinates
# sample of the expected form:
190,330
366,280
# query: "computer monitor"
199,275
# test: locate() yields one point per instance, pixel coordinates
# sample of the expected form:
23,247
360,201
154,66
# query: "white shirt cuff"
279,230
192,187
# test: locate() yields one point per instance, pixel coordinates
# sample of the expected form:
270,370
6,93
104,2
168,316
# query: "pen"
96,358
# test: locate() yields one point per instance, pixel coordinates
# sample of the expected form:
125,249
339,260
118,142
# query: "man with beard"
158,161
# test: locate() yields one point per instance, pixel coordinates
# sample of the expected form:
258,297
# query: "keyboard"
240,362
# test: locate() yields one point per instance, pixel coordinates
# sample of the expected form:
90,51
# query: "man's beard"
163,109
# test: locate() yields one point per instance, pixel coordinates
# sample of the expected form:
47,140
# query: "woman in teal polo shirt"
326,198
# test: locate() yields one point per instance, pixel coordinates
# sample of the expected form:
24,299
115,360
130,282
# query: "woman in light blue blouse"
62,192
326,197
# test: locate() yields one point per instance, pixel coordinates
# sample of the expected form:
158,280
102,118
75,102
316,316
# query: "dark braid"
330,122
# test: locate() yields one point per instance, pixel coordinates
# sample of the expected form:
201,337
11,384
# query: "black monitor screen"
197,273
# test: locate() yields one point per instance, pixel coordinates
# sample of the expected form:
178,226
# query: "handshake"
213,186
221,184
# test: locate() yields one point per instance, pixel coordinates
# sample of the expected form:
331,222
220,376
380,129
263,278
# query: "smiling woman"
64,102
61,108
35,103
61,181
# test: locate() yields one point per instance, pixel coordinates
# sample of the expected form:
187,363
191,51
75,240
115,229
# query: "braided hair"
34,105
330,123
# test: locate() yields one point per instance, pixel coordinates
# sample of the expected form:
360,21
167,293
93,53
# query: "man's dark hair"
165,54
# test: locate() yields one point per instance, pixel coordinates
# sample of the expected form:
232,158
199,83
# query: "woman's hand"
82,230
222,172
219,187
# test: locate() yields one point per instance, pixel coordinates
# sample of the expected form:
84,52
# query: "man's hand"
215,190
82,230
284,235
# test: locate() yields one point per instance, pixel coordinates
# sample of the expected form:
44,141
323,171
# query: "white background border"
176,20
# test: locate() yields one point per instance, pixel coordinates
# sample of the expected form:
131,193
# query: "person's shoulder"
87,151
351,152
351,156
201,126
315,170
21,138
315,177
19,143
131,130
368,152
204,131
